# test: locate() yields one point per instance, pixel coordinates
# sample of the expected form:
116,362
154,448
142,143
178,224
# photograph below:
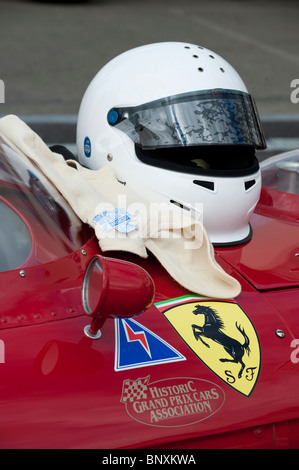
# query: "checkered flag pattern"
134,390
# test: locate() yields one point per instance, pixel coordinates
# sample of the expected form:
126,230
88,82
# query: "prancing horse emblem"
212,329
221,335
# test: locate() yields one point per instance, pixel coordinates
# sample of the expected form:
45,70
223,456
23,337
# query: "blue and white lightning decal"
137,336
136,346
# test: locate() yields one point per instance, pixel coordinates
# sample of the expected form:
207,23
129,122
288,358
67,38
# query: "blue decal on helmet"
87,147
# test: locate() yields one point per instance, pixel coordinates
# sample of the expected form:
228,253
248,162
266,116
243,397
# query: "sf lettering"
249,375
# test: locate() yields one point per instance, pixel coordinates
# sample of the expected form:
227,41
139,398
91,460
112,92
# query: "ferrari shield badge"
221,335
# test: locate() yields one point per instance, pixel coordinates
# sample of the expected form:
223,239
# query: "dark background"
50,51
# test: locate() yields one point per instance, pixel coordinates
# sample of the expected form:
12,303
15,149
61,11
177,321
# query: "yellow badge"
221,335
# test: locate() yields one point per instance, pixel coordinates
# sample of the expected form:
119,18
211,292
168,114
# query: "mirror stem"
94,330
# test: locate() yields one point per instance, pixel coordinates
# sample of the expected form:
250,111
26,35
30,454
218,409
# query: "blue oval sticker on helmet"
87,147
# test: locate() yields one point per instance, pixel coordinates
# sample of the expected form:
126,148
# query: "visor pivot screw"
109,157
113,116
280,333
83,252
22,273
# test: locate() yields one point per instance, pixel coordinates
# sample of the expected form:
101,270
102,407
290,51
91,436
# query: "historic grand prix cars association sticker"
221,335
173,402
136,346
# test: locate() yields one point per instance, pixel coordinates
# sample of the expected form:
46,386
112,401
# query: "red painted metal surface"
270,261
61,389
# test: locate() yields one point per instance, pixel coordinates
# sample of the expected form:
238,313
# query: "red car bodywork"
62,389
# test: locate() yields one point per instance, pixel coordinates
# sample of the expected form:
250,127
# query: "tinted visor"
225,117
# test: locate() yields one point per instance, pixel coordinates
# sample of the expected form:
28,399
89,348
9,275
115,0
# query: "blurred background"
50,51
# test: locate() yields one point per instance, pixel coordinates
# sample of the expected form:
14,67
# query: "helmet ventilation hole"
222,70
180,205
205,184
249,184
200,69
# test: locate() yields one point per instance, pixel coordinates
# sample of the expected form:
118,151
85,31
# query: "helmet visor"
197,118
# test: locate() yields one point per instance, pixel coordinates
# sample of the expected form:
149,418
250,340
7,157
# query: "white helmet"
176,123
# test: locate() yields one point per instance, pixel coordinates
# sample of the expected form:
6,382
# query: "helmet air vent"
249,184
180,205
205,184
